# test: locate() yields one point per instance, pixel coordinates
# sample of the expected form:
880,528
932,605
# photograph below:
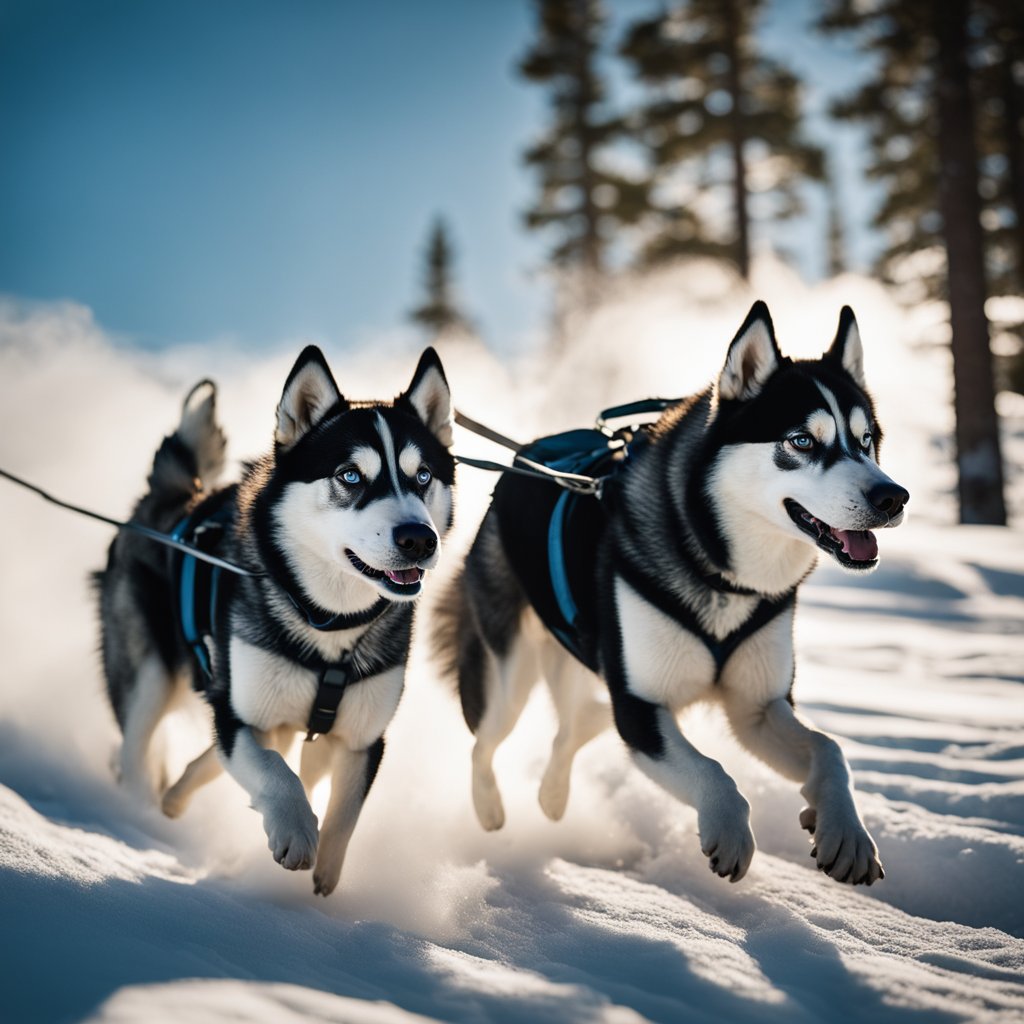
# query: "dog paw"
293,837
329,860
173,803
554,794
323,886
325,881
844,850
726,839
490,811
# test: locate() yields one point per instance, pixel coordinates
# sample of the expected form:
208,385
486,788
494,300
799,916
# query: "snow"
109,912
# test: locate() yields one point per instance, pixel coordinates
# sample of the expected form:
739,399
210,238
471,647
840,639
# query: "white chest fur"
664,663
268,690
667,664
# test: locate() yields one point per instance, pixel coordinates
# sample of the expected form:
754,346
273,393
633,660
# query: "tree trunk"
737,138
591,242
836,239
979,462
1014,151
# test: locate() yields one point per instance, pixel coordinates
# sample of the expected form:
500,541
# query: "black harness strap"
721,650
334,681
334,678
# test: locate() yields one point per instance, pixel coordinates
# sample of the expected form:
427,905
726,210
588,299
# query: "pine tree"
920,110
716,103
583,199
1000,72
439,313
977,426
836,235
999,65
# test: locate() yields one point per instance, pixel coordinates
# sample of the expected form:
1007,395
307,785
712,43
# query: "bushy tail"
192,458
459,648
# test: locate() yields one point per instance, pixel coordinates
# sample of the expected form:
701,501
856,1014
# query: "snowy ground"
109,912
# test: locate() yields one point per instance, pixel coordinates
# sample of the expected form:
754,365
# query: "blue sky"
258,171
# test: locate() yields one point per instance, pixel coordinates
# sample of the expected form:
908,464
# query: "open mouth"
856,549
406,582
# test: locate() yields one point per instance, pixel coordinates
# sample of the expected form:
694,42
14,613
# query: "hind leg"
150,698
315,763
581,717
508,680
352,774
204,769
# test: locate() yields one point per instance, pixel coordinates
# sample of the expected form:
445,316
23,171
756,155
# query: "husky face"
800,447
364,492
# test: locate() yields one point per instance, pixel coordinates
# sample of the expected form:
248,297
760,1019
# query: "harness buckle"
330,689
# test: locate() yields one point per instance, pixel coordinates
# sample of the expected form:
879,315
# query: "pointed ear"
430,397
846,349
309,392
753,357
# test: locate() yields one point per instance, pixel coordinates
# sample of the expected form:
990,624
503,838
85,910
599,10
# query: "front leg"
352,774
774,732
664,754
274,789
650,664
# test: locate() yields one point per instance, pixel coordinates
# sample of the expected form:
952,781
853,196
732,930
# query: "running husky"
679,585
340,522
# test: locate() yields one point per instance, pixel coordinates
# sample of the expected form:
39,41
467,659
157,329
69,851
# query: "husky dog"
340,523
683,579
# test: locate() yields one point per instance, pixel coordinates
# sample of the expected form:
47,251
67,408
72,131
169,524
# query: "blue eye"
804,442
424,476
352,477
865,441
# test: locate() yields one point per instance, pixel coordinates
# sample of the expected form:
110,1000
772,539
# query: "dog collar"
354,666
327,622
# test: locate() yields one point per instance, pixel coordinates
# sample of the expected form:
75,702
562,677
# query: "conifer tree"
999,65
582,199
717,103
836,235
438,312
920,110
1000,73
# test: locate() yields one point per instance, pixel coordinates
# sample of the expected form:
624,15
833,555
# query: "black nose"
417,540
889,498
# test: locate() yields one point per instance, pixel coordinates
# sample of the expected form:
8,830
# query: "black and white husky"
682,581
341,522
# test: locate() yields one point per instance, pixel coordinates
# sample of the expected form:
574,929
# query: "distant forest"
942,100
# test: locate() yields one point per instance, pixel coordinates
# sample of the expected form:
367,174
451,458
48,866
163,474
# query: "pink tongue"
860,545
403,576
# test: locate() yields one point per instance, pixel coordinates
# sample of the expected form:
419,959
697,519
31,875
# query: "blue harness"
566,530
199,595
197,584
585,452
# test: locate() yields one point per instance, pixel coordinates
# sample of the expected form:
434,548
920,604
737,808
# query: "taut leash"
576,482
161,538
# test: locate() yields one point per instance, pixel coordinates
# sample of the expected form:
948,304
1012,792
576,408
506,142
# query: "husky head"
798,446
361,492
